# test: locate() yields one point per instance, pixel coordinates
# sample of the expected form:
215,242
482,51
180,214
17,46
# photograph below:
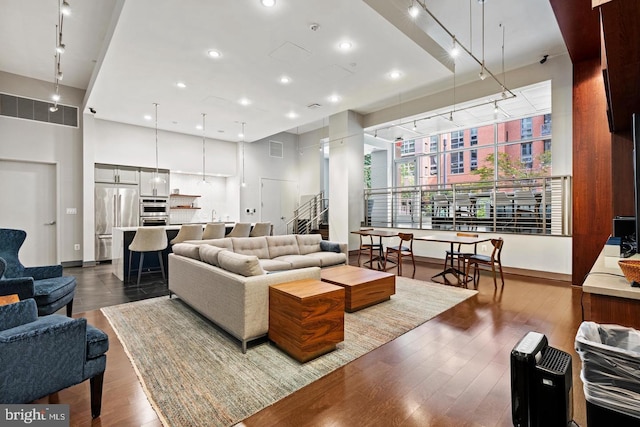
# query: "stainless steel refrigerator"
116,205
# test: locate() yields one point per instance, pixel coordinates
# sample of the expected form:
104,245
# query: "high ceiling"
131,54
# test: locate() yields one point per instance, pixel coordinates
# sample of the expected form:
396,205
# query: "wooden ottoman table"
306,317
363,286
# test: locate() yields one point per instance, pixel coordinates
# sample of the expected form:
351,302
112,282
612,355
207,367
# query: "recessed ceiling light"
395,74
285,80
181,85
334,98
345,45
147,117
244,101
268,3
214,53
292,115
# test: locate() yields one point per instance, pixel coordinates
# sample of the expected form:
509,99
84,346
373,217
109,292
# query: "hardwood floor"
451,371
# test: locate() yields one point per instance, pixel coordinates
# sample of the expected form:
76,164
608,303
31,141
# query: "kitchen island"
122,238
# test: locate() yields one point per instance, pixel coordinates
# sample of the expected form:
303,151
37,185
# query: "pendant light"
157,179
204,179
243,183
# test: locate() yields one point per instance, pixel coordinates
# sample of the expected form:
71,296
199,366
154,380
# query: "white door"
279,200
28,203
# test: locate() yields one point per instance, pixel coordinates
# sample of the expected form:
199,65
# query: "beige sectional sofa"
227,280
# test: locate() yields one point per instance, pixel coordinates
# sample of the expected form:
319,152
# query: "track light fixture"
495,107
455,50
413,10
65,9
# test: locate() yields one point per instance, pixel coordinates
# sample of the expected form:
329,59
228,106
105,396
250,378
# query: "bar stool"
147,239
214,230
188,232
261,229
241,229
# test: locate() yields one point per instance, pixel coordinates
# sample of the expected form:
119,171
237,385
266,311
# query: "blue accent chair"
43,355
45,284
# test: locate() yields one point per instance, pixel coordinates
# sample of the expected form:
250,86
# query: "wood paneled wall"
592,172
622,173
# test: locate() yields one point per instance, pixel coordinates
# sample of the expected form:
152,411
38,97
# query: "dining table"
453,240
380,234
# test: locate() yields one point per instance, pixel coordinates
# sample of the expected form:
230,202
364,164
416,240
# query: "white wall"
32,141
311,161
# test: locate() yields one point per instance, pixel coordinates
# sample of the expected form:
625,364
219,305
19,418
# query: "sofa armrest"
23,286
43,272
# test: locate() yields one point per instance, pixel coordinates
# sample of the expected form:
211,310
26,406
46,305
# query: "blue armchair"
46,284
43,355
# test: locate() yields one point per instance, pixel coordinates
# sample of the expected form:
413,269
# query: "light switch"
72,211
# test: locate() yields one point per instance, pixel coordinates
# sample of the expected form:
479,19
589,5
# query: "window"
473,165
546,126
433,165
457,163
526,128
408,147
457,139
433,144
526,154
547,145
473,139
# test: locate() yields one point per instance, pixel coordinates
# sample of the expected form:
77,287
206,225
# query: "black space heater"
541,384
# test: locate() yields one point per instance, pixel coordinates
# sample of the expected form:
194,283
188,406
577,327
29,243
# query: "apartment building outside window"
457,163
526,128
526,156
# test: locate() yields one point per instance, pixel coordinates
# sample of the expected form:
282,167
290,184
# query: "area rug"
194,374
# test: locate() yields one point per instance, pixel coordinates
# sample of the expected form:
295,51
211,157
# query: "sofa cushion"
299,261
274,265
251,246
186,249
209,254
282,245
51,290
329,258
244,265
221,243
329,246
308,243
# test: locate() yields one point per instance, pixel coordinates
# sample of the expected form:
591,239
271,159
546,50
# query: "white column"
346,179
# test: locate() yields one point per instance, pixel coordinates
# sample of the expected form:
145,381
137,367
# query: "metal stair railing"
309,216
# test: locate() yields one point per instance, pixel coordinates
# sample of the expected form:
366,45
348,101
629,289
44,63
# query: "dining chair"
491,261
458,255
240,229
403,249
368,247
147,239
440,205
188,232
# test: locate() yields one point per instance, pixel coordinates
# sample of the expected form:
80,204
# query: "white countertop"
168,227
603,279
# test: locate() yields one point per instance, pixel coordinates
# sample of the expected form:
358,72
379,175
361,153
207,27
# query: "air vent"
314,106
276,149
33,109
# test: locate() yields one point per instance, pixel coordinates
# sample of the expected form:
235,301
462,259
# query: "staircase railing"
308,216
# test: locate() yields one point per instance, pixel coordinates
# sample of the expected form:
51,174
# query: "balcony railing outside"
532,206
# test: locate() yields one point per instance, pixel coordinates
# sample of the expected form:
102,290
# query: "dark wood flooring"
451,371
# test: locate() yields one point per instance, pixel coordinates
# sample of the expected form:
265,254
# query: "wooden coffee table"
306,317
363,286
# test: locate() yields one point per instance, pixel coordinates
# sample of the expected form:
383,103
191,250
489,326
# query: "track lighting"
55,97
413,10
495,107
455,51
482,74
60,48
53,108
59,75
414,125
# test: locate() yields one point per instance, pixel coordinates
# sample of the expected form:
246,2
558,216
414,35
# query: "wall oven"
154,211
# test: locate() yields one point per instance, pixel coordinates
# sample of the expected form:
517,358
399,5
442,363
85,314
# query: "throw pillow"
187,249
9,299
244,265
326,246
209,254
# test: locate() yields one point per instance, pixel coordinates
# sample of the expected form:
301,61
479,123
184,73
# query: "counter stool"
188,232
148,239
214,230
241,229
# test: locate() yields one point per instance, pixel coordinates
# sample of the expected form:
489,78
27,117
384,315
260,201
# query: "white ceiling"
156,44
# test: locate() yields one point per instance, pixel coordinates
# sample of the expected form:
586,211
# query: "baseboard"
77,263
508,270
89,263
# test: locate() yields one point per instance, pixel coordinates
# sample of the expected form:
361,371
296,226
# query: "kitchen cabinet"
148,187
116,174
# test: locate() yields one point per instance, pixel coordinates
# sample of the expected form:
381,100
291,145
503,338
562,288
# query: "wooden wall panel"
622,173
592,195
